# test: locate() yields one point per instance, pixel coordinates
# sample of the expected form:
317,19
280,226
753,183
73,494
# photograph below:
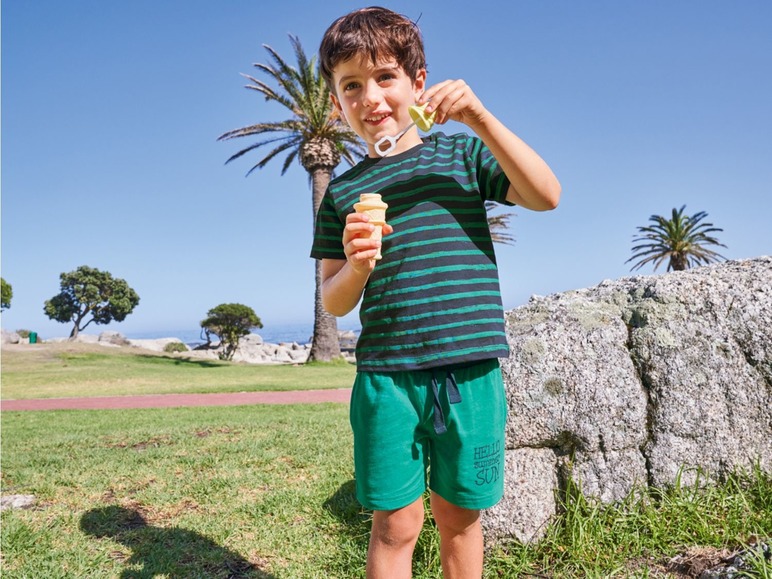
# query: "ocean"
299,333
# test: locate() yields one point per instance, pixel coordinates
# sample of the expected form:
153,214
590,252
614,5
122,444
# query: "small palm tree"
499,225
683,240
315,135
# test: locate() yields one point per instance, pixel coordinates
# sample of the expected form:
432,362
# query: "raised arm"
533,185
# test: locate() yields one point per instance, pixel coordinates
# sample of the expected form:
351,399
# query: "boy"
428,393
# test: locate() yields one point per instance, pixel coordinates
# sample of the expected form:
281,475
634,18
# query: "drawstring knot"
454,397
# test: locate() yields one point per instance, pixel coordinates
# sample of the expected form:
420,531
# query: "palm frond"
290,144
292,139
270,94
499,225
288,161
289,126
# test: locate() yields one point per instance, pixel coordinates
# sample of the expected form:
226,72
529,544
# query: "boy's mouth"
377,119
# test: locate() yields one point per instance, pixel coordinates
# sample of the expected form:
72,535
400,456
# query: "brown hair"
376,32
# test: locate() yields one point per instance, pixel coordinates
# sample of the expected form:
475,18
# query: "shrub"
173,347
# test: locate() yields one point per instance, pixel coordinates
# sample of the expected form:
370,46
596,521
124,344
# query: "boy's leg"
392,540
461,539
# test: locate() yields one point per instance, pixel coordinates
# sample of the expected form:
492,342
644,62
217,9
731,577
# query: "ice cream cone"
372,204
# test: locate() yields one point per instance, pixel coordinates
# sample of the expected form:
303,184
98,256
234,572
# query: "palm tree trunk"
325,345
678,262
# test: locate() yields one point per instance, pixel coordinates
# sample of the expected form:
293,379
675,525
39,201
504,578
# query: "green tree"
683,240
315,136
7,294
230,322
90,295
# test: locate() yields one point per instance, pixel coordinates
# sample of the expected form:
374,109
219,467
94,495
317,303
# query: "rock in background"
635,382
9,337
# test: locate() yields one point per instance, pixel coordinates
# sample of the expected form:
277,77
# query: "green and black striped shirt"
434,298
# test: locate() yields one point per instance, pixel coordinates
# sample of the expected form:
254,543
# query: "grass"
71,370
180,493
268,491
637,536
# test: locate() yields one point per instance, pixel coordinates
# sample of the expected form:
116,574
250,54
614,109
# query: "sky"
111,112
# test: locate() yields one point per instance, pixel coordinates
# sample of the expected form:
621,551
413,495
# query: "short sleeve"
491,179
328,231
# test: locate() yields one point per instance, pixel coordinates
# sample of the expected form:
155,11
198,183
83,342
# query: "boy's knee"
399,527
452,517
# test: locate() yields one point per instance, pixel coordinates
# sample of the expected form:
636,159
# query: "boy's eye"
385,76
351,86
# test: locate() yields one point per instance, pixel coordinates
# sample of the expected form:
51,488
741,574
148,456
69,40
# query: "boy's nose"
372,95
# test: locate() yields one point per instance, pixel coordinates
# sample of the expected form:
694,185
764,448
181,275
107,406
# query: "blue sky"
111,110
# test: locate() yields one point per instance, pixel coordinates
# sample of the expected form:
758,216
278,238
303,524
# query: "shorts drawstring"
454,397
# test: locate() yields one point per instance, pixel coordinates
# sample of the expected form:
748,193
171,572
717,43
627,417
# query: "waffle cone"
372,205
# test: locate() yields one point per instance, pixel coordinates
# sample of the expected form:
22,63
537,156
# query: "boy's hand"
361,251
531,182
454,100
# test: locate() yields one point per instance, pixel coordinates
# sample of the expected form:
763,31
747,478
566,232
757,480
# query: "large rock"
9,337
253,350
154,345
637,381
108,338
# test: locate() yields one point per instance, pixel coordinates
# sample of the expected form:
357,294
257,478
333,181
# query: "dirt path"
176,400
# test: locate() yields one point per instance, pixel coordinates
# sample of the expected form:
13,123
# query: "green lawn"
268,491
72,370
180,493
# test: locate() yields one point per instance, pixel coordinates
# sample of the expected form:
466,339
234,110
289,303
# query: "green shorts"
448,422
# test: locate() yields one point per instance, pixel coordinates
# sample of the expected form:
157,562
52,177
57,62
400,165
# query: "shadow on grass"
164,552
354,534
180,361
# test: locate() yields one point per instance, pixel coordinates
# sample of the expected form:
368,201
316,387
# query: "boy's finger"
359,244
359,229
357,217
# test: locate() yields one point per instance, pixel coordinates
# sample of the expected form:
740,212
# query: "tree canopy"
7,294
230,322
89,295
682,240
314,133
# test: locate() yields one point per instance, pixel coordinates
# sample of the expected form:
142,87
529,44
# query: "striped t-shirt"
434,298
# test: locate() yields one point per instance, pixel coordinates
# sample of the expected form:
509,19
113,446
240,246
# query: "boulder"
348,339
10,337
155,345
253,350
640,381
113,339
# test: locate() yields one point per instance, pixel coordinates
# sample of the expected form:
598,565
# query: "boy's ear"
419,84
336,104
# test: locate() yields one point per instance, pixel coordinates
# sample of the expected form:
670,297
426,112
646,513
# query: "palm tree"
315,135
681,239
498,225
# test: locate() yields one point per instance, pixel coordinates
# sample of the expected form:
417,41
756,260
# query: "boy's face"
374,99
